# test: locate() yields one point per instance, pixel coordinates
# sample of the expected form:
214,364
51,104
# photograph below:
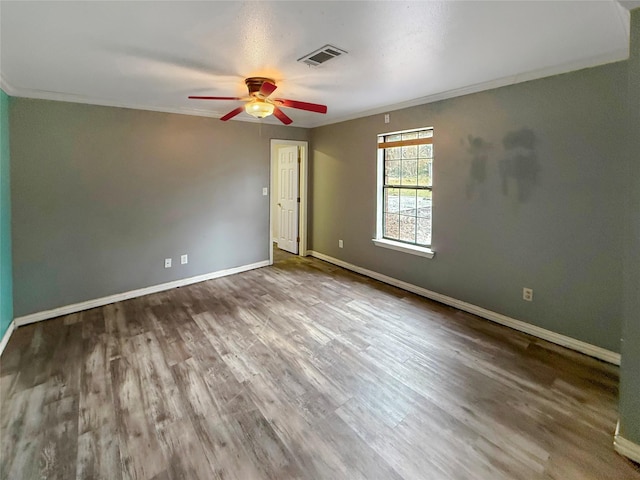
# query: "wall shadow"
479,150
520,166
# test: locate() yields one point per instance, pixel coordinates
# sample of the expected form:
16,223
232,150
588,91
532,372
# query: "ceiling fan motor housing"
255,83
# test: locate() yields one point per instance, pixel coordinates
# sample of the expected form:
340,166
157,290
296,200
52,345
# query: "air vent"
322,55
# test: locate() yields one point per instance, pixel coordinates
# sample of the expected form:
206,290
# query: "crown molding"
629,4
590,62
72,98
616,56
6,86
82,99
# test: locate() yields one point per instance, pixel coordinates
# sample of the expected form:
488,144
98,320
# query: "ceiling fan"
259,104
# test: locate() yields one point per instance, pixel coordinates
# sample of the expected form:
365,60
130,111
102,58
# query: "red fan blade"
280,115
193,97
267,89
232,114
311,107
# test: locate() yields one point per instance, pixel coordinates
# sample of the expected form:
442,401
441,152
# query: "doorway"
288,199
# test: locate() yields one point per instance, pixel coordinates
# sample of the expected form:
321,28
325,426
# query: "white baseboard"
626,447
7,336
553,337
99,302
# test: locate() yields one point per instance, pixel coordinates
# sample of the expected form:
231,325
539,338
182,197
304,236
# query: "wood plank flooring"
301,370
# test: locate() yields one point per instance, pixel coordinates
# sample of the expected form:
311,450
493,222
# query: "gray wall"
553,222
630,367
100,196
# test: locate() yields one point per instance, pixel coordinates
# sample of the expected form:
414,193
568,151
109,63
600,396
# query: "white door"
287,207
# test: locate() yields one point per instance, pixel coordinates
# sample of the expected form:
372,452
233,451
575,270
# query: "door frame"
303,146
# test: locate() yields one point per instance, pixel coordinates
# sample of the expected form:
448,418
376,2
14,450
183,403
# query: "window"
405,161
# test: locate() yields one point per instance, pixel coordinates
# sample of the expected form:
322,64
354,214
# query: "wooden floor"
300,371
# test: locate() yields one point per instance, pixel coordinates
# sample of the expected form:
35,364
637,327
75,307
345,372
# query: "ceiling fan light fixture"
259,108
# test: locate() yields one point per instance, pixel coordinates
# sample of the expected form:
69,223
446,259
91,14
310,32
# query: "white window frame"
379,241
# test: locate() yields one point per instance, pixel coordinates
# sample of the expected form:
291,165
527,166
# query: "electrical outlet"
386,118
184,259
167,263
527,294
340,244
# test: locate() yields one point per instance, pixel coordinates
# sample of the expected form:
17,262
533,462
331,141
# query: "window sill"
403,247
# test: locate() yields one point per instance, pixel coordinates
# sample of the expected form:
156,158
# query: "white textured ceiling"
152,55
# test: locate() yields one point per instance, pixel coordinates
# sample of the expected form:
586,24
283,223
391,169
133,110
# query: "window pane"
423,236
424,173
408,202
409,135
425,151
391,226
425,134
407,228
393,138
410,172
394,153
424,203
391,200
410,151
392,172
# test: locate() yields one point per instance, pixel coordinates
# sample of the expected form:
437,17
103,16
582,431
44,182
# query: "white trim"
629,4
626,447
6,86
84,100
7,335
304,200
553,337
379,191
611,57
118,297
303,145
73,98
403,247
317,121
